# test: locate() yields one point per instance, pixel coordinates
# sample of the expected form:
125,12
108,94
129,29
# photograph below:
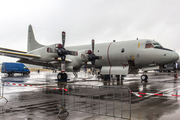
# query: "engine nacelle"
69,68
83,56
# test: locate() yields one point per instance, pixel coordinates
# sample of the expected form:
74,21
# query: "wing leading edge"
11,50
18,54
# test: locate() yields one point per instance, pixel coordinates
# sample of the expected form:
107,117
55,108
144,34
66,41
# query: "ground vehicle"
11,68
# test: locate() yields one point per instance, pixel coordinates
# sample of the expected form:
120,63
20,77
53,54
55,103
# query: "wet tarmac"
36,103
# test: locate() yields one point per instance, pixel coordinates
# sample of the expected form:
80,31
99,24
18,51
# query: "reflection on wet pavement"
44,104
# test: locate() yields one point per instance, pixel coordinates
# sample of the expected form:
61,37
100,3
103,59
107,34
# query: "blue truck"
11,68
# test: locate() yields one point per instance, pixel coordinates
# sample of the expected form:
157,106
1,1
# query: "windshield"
157,45
152,44
25,67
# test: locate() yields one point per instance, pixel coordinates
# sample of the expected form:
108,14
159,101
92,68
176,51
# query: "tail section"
32,43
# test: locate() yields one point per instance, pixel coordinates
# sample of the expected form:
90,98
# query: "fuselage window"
122,50
149,45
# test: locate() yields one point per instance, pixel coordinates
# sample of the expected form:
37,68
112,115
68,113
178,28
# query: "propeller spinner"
92,57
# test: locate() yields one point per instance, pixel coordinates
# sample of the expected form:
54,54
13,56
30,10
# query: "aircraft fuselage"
134,53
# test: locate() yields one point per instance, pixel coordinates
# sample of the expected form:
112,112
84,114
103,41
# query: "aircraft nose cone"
169,57
175,56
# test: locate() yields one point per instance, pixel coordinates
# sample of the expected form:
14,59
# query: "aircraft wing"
36,63
28,58
11,50
52,64
17,54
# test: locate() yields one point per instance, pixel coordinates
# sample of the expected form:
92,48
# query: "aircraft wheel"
12,74
144,77
64,76
59,76
27,73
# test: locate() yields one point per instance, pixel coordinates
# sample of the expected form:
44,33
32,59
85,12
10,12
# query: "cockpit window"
157,45
149,45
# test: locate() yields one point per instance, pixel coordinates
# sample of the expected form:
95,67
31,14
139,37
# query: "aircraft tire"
144,77
63,76
59,76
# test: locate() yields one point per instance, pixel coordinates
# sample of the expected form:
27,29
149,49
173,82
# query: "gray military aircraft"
114,58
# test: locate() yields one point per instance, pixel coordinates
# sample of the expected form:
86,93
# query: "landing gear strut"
144,78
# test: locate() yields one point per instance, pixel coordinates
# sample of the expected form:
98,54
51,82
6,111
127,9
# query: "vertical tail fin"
32,43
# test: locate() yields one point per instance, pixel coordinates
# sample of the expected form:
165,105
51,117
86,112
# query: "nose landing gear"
144,78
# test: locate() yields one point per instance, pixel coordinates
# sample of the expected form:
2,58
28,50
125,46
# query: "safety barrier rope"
137,93
10,83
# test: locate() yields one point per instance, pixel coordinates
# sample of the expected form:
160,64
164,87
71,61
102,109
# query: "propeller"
62,52
92,57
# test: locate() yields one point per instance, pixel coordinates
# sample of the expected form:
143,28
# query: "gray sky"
83,20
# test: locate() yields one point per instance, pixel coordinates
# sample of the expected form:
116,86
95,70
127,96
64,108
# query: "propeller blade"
93,66
100,57
93,46
85,68
63,38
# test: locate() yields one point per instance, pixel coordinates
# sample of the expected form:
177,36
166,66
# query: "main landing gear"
62,76
144,78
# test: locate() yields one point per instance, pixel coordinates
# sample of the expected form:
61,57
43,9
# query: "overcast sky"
83,20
